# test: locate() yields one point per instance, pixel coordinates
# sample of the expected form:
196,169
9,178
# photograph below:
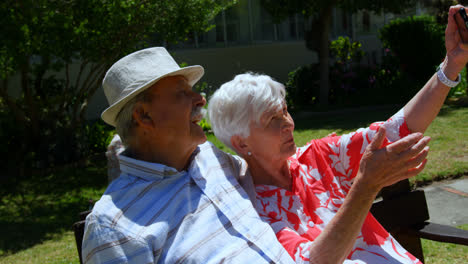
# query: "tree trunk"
324,51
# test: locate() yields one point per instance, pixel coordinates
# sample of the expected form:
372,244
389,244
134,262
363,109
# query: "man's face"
173,110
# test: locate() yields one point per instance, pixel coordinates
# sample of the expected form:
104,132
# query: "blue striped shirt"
154,214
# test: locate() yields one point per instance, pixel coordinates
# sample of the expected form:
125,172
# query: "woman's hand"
457,51
381,167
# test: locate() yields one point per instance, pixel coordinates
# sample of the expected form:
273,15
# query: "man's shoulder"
126,210
212,161
102,221
210,147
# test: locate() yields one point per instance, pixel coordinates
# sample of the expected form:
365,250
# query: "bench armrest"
442,233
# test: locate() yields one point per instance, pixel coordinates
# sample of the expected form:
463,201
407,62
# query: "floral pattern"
322,173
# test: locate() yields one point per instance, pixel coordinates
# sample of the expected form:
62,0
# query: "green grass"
37,216
61,248
449,145
445,253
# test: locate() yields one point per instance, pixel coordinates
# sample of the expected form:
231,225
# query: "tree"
320,14
43,41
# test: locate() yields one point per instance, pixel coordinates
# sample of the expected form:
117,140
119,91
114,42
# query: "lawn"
37,218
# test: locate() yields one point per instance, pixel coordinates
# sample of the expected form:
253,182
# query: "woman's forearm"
423,108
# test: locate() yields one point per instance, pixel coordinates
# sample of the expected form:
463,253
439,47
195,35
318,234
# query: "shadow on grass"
344,120
47,205
349,120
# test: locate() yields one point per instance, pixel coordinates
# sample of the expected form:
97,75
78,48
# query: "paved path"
448,201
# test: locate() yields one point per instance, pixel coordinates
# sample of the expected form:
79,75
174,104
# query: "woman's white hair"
240,101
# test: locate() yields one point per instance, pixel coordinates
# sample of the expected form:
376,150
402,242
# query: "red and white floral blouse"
322,173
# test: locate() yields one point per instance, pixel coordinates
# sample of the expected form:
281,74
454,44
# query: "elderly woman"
317,197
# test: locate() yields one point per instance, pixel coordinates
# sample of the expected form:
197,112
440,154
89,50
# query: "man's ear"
141,115
240,145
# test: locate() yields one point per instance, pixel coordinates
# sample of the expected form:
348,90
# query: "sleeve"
106,245
346,151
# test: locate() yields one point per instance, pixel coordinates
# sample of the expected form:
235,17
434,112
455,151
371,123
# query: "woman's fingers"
403,144
416,148
451,24
378,139
416,161
416,170
400,160
411,172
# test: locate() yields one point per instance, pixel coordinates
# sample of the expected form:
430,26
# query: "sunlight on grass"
445,253
449,145
60,249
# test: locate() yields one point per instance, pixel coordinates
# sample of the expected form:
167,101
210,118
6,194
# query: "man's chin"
202,139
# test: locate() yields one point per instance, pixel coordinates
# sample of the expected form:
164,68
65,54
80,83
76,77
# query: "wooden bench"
402,211
78,229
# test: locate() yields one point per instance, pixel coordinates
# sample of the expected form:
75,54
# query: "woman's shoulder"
317,146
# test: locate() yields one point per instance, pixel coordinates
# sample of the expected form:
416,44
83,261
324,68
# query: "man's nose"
198,100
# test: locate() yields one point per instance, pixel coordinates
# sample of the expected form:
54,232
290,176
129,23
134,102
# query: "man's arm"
103,244
421,110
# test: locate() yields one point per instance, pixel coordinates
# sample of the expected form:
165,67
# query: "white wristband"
445,80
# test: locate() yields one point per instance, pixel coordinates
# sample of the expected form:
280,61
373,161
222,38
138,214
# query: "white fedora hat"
138,71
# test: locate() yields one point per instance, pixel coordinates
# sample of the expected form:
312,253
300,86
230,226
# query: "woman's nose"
288,123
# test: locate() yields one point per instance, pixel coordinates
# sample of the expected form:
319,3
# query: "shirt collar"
150,170
146,170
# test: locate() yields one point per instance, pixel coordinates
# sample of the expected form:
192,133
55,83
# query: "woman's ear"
240,145
141,115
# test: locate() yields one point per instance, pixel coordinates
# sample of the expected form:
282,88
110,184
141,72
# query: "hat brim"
191,73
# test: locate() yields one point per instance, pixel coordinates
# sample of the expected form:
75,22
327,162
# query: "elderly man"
178,199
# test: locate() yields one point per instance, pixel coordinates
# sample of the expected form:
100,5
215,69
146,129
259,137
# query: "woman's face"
272,138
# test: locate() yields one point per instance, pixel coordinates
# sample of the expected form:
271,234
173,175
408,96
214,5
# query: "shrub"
388,84
205,125
346,52
205,89
417,42
302,87
99,136
461,89
348,80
